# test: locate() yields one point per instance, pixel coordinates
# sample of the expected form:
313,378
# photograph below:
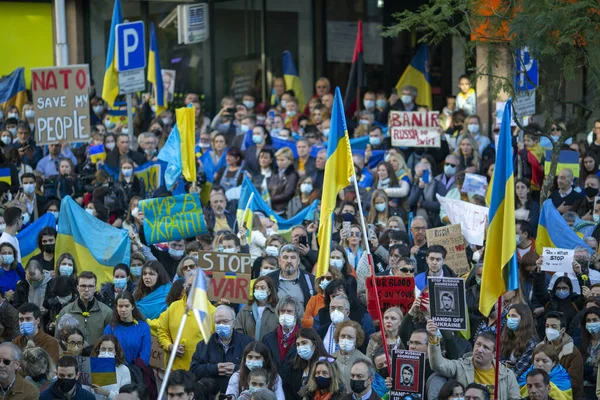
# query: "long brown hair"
119,355
142,290
515,342
268,366
272,299
135,312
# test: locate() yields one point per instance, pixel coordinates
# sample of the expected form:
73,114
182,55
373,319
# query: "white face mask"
287,320
337,316
110,146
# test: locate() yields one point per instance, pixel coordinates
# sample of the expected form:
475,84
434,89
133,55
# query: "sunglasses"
357,234
406,270
6,362
327,278
328,359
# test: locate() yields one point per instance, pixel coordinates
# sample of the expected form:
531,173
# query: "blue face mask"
375,141
223,330
136,271
512,323
254,364
593,327
562,294
381,103
305,352
120,283
65,270
369,104
258,139
260,295
27,328
8,259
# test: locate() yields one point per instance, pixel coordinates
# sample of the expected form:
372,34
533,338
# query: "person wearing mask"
219,359
121,151
436,266
324,381
525,240
91,314
282,186
518,339
584,207
305,195
170,259
418,229
376,107
474,129
130,328
581,264
66,385
132,185
33,288
48,165
17,386
317,301
349,335
121,282
108,346
262,140
11,271
564,198
217,217
305,163
447,177
423,195
259,316
14,223
408,94
589,344
152,289
29,153
362,375
29,326
46,244
282,339
61,292
290,280
148,146
376,141
545,358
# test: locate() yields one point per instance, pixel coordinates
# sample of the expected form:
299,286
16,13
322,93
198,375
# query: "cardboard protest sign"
447,302
557,260
415,129
229,275
393,291
172,218
98,371
61,102
450,237
474,183
408,375
157,355
472,218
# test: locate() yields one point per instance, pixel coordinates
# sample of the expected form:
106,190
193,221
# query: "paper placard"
157,355
229,275
450,238
472,218
557,260
393,291
415,129
447,302
408,375
474,183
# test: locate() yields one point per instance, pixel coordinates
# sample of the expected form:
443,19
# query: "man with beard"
290,280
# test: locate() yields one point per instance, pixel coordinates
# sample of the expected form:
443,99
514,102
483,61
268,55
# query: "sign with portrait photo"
408,375
448,303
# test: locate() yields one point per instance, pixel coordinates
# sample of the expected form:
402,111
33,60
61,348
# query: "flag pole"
372,268
163,387
498,330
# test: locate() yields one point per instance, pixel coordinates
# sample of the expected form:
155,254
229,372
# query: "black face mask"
358,386
322,382
48,248
383,372
348,217
65,385
590,191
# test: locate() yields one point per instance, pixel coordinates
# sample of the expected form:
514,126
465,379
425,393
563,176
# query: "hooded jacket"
28,293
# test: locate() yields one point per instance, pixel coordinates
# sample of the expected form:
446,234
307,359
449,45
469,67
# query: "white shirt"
8,238
232,386
593,275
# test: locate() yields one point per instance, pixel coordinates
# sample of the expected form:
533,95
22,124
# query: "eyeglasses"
419,228
6,362
188,267
327,278
411,343
555,130
75,344
395,257
330,360
406,270
356,234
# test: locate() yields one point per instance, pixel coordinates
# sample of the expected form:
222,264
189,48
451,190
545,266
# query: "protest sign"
168,76
472,218
447,302
229,275
474,183
150,174
557,260
94,370
408,375
157,355
450,238
172,218
393,291
567,159
415,129
60,98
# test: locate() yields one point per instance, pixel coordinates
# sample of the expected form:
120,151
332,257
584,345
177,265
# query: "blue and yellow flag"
417,75
500,272
103,371
339,168
553,231
97,153
199,304
13,90
292,79
110,87
155,74
178,151
5,176
28,237
96,246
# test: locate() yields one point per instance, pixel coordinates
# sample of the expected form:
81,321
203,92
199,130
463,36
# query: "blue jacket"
421,279
53,393
135,340
207,356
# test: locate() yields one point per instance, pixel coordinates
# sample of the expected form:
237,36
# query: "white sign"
472,218
500,112
132,81
557,260
192,23
475,184
415,129
168,76
525,103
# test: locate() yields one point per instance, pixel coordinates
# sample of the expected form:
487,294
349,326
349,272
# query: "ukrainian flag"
28,237
199,304
110,88
103,371
178,151
417,75
5,175
96,246
500,272
292,79
339,168
13,89
97,153
155,74
560,236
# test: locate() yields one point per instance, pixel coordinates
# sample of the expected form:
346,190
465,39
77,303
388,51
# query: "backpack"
142,374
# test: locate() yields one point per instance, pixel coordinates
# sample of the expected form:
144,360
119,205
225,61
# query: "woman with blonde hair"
391,325
399,165
319,114
468,153
324,381
38,367
379,212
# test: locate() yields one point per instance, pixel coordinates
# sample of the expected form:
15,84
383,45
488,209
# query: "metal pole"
130,116
62,47
263,48
163,387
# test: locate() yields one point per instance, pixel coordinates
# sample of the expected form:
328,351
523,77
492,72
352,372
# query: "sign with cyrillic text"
415,129
557,260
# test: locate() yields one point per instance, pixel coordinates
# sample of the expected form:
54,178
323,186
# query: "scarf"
154,304
322,396
285,343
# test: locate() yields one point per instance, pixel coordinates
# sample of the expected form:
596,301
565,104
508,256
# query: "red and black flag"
357,79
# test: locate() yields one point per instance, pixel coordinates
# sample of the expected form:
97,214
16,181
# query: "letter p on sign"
130,46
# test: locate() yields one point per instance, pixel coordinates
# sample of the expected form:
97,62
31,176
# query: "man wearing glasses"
13,385
418,230
91,314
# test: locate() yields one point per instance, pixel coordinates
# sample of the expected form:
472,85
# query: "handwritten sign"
150,174
450,238
60,99
447,302
157,355
393,291
172,218
472,218
415,129
408,375
475,184
229,275
557,260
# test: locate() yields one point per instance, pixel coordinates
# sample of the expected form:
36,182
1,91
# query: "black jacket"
305,280
113,159
54,393
291,378
207,356
270,340
282,189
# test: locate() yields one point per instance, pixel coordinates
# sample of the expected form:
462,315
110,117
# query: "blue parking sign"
526,73
131,46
